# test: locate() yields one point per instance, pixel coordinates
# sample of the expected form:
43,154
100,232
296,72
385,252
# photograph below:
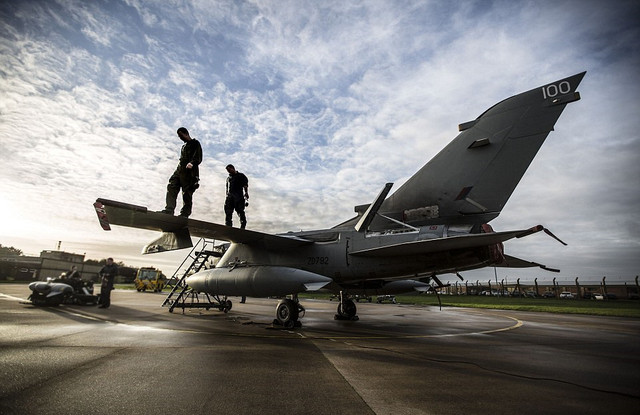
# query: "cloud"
320,104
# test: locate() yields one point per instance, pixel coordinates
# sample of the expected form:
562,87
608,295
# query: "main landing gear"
346,308
288,311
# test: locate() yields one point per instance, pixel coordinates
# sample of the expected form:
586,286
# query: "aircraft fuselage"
333,256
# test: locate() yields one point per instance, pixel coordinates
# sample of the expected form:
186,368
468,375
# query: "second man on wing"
237,183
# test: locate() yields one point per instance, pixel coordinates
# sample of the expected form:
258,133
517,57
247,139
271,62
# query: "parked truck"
150,279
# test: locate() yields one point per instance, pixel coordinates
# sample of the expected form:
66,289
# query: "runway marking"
92,318
82,316
305,335
10,297
518,323
302,334
66,311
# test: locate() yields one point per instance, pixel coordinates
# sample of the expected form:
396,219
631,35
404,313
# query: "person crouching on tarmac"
236,184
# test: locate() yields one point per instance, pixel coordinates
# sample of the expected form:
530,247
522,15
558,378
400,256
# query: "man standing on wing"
237,183
186,176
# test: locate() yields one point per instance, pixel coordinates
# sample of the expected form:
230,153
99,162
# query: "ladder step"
199,255
217,254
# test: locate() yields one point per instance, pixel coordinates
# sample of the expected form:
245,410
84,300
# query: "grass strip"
614,308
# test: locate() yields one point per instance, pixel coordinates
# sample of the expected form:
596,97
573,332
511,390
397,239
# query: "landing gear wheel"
287,313
227,306
347,310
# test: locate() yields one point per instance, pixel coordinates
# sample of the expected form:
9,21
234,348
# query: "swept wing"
177,231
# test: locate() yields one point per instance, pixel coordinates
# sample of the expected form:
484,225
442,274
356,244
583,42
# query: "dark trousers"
180,181
231,203
105,296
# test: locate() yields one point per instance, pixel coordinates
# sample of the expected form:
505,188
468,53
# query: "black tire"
347,309
227,306
287,312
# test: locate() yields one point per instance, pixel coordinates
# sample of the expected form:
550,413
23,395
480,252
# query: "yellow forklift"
149,278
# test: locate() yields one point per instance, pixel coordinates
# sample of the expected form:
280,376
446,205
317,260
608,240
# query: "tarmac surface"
137,358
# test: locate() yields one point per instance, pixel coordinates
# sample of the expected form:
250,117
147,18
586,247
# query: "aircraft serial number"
552,90
318,260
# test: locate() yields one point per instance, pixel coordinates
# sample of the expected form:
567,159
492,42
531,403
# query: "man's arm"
196,157
197,154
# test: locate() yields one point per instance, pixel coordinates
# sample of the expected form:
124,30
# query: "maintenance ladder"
181,294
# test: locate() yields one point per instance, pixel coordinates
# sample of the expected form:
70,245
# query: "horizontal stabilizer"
429,246
513,262
177,230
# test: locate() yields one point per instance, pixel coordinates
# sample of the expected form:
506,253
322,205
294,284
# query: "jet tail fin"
471,179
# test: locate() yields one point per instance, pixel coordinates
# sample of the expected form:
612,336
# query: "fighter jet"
436,223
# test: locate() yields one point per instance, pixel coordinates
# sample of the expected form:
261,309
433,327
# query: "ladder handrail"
196,265
202,254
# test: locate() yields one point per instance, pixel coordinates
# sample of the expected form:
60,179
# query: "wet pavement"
137,358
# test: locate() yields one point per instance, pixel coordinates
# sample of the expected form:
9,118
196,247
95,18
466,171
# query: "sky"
319,103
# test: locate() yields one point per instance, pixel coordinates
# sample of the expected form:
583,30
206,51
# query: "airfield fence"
585,289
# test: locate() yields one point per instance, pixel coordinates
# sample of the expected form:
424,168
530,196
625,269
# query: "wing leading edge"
446,244
177,231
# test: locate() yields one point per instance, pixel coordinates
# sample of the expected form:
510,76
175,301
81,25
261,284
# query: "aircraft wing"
177,231
428,246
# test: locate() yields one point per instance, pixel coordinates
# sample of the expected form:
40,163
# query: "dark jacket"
191,152
236,183
108,274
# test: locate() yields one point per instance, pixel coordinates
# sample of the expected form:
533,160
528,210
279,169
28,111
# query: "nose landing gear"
346,309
